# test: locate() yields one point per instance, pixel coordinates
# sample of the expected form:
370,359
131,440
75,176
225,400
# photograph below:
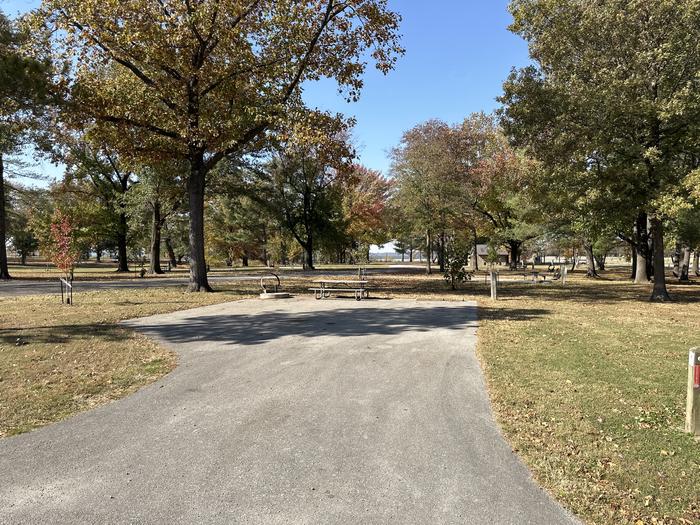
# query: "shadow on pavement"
258,328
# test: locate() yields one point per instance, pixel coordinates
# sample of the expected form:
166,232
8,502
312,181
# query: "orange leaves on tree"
62,248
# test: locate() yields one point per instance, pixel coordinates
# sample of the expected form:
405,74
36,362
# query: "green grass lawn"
587,381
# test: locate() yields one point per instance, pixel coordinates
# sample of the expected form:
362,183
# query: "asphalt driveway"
296,411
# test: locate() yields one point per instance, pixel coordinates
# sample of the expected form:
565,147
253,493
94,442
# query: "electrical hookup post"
494,285
692,413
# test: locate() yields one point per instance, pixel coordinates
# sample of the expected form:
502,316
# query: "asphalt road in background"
19,287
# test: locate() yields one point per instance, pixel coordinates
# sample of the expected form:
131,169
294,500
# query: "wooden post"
692,412
494,286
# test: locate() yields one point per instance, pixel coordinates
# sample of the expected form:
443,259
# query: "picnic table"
534,277
327,286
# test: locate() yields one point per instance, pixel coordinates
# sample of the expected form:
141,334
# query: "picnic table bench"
534,277
327,286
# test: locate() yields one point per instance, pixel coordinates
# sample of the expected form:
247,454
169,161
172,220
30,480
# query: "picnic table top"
340,281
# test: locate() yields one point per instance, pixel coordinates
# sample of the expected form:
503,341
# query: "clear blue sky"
458,52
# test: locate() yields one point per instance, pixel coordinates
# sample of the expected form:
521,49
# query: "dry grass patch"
70,358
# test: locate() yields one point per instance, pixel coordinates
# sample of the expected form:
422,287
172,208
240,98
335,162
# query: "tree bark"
441,253
514,247
573,264
600,262
640,275
641,253
4,270
684,264
634,263
475,260
410,253
677,256
171,252
123,256
590,261
244,261
98,255
429,252
195,190
659,293
309,254
155,240
696,263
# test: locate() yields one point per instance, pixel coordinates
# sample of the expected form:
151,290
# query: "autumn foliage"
62,248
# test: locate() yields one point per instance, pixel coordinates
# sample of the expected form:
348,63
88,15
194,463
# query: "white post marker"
494,286
692,412
564,273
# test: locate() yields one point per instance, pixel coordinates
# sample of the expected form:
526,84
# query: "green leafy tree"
456,258
23,95
426,187
614,82
95,171
300,189
24,201
238,228
202,81
153,199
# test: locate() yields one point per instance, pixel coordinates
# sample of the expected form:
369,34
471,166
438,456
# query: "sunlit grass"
587,381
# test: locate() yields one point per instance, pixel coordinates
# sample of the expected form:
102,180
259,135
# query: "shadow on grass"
63,334
598,291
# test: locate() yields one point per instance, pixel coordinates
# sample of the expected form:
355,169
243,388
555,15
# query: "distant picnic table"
328,286
534,276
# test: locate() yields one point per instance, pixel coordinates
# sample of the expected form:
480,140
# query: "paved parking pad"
293,411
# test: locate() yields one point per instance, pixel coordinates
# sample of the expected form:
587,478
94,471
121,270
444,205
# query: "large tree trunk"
309,255
657,233
514,248
121,244
170,251
684,264
155,240
429,252
640,275
600,262
265,256
696,263
410,252
573,263
475,259
634,263
642,249
676,259
195,190
590,261
441,253
4,270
